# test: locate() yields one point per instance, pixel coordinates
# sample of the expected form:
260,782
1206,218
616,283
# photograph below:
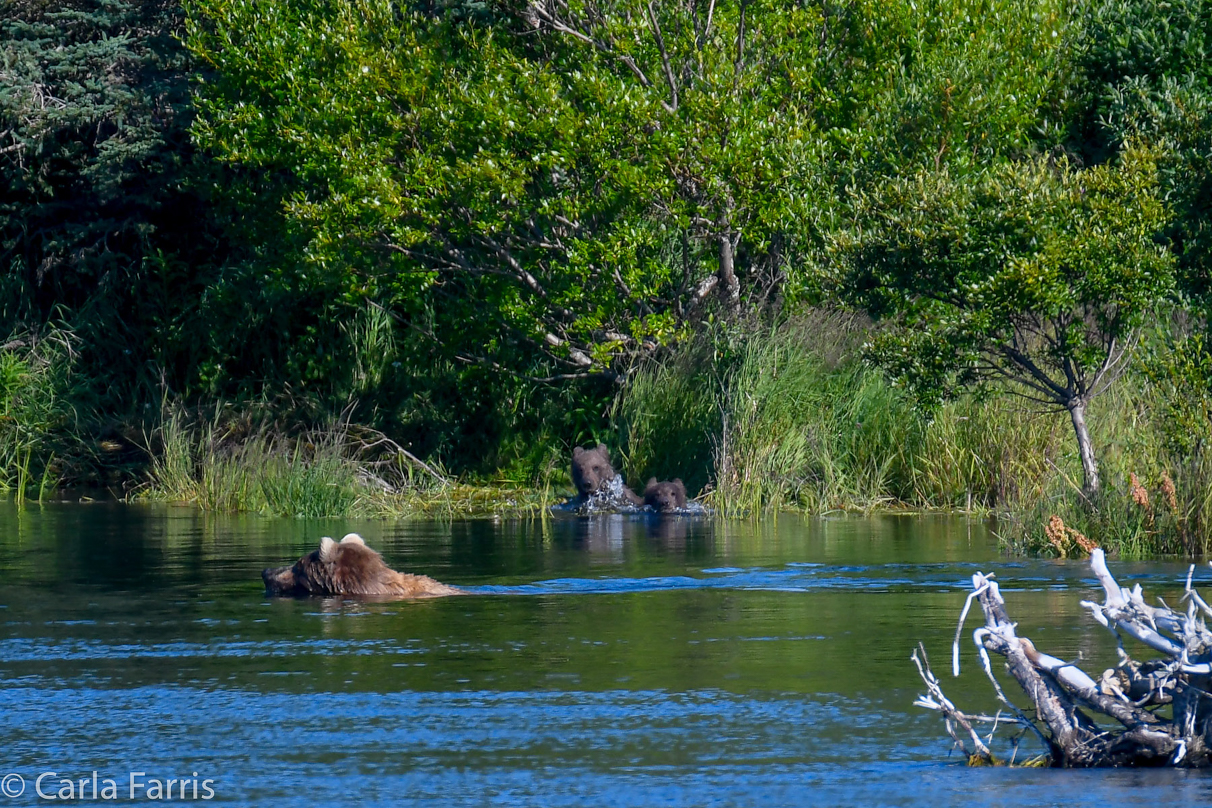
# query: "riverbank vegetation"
399,257
232,463
796,419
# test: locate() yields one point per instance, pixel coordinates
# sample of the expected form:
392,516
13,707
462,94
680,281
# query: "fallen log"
1156,712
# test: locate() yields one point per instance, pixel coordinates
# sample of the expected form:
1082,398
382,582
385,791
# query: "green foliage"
1158,497
984,451
1181,372
471,226
1036,272
1146,44
669,418
526,201
948,82
1140,39
36,418
797,433
108,228
553,189
792,418
314,475
537,193
194,463
1145,74
94,165
93,109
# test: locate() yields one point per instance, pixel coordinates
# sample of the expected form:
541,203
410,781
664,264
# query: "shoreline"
470,501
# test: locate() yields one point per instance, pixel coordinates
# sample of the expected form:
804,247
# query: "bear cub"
665,497
593,475
349,567
591,469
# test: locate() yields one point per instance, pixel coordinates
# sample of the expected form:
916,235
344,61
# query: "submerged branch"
935,700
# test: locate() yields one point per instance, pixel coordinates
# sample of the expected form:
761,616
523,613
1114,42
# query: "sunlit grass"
794,420
317,474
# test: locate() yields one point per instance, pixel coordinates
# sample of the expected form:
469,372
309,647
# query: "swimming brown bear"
665,497
349,567
596,479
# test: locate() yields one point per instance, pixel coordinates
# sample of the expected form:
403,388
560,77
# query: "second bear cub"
665,497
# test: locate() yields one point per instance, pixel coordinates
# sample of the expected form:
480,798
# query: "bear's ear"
652,482
353,538
678,482
328,550
577,452
602,448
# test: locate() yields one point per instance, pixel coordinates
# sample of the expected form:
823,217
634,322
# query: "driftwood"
1141,713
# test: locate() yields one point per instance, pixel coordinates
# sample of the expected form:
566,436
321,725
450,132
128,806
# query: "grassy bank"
228,464
252,456
755,419
791,418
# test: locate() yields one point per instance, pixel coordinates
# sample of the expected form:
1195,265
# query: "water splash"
616,497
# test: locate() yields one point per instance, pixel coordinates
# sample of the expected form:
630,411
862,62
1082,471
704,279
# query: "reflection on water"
605,661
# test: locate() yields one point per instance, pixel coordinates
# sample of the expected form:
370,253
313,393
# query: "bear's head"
347,567
591,469
665,497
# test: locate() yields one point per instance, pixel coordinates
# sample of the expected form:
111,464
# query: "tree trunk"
1077,411
729,285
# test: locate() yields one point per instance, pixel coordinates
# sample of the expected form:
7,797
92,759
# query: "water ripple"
800,577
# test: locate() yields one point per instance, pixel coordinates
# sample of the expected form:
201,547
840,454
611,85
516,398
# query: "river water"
610,661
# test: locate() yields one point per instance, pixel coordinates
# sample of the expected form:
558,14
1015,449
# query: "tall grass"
799,432
34,413
771,417
226,465
261,473
670,417
754,418
791,417
1153,500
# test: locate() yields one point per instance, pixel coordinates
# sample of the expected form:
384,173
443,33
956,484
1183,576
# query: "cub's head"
665,497
334,568
591,469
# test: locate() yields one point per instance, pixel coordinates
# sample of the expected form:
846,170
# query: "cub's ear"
652,481
353,538
678,482
577,452
328,550
602,448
